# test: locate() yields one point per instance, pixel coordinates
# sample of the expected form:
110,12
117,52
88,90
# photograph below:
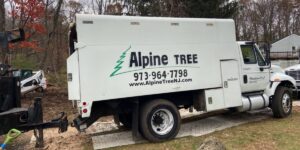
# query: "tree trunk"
50,41
2,29
2,16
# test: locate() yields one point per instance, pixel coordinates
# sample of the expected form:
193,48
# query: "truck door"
255,76
231,83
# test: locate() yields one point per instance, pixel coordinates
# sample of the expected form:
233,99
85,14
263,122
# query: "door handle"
261,68
225,84
245,79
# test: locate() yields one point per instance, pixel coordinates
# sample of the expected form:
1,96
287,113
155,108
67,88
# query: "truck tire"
282,102
159,120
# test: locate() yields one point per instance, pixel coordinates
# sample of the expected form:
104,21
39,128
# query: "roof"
287,44
287,37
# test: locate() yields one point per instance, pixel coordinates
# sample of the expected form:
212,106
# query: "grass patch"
23,62
270,134
60,80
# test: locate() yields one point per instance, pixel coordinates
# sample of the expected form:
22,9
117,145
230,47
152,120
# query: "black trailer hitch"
61,123
35,122
32,119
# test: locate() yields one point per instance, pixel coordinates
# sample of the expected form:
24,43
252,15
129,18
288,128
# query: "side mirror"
261,68
267,52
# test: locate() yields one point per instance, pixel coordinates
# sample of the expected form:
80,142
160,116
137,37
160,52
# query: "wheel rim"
286,102
162,121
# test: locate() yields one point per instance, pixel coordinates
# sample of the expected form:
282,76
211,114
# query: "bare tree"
2,28
2,16
50,40
267,20
12,10
74,8
98,9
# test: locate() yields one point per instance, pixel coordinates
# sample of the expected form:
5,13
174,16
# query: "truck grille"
295,74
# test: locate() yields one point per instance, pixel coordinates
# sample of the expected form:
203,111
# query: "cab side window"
248,54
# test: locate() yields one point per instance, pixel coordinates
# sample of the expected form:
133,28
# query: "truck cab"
260,80
255,70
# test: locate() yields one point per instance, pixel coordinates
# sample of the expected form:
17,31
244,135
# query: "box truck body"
108,62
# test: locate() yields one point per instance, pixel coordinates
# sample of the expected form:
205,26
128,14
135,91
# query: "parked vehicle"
294,71
276,68
31,80
143,70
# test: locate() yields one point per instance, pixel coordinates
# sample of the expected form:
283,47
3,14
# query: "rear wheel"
159,120
282,102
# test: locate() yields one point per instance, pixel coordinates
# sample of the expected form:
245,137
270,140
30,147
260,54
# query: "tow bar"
32,119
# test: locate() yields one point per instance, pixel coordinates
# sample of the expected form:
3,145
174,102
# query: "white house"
288,44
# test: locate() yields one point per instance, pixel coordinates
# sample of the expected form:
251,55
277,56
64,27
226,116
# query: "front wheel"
159,120
282,102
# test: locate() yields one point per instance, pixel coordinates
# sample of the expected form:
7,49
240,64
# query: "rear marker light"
84,103
84,110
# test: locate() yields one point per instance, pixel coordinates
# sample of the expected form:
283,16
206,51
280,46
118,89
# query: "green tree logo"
119,66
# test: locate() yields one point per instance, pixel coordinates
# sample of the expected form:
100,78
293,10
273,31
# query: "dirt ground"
54,101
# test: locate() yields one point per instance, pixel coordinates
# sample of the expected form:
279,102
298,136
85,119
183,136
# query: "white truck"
143,70
294,71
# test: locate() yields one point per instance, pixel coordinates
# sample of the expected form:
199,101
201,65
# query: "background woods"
46,23
267,20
